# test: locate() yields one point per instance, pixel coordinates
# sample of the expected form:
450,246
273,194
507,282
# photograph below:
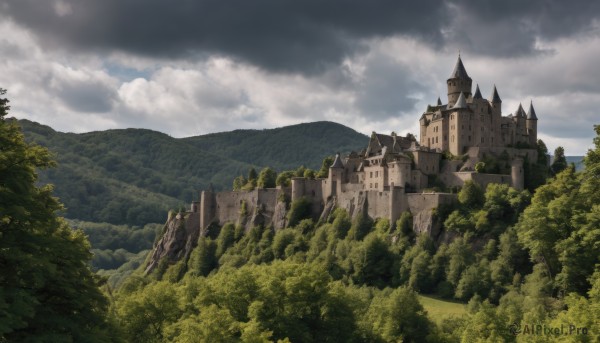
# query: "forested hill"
283,148
134,176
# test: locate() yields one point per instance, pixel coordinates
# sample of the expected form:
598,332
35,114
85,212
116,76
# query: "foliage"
560,161
135,176
299,209
47,291
266,178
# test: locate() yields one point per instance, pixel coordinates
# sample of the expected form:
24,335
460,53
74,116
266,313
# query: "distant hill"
133,176
578,160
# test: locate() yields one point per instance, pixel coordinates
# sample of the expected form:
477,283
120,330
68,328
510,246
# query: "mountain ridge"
134,176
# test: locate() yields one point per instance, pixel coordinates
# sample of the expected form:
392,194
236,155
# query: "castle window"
376,174
371,174
370,185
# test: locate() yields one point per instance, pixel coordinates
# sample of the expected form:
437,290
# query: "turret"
517,174
496,102
336,173
459,82
531,124
477,94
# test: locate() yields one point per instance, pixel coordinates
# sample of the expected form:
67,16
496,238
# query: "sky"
188,68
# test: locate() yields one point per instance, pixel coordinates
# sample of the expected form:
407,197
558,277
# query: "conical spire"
495,96
459,70
439,103
461,102
531,114
477,93
520,112
337,163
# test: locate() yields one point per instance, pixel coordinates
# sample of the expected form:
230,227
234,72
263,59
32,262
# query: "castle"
396,174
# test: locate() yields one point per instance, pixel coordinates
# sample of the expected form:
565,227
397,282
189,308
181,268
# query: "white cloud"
386,88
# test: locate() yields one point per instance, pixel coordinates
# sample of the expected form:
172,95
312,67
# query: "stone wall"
418,202
226,207
458,178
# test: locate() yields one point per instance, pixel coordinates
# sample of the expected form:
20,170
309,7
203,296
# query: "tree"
239,182
471,194
324,171
480,167
252,174
560,162
266,178
47,291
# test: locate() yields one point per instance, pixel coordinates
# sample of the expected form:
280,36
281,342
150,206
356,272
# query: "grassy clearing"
439,309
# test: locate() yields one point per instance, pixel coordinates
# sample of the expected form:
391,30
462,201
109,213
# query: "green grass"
439,309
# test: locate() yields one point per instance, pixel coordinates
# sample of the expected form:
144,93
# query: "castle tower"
517,174
336,174
459,82
208,208
459,131
496,102
531,125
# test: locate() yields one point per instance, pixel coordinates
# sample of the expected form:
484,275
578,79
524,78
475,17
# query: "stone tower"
336,176
517,174
459,82
532,125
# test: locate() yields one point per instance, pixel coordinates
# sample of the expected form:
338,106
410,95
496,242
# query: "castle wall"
229,204
379,204
457,179
426,161
418,202
311,189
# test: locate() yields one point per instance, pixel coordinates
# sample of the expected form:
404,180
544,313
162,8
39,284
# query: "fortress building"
394,174
469,120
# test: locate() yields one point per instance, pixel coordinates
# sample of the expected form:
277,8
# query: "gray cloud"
388,90
281,35
298,36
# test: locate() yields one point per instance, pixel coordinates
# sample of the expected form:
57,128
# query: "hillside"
133,176
283,148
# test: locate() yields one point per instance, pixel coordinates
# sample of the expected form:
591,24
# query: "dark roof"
385,140
531,114
520,112
388,142
459,71
477,93
495,96
337,163
461,102
439,103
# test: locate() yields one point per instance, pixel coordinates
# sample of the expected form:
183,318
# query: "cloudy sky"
188,67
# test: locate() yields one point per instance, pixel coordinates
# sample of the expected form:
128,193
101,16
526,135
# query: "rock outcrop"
180,236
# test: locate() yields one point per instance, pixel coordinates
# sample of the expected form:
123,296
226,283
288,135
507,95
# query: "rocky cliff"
180,236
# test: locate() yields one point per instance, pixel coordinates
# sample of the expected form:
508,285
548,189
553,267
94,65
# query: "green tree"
252,174
309,174
47,291
300,209
480,167
324,171
471,194
560,161
239,182
266,178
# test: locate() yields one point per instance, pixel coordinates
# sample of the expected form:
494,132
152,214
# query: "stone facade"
394,174
469,120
